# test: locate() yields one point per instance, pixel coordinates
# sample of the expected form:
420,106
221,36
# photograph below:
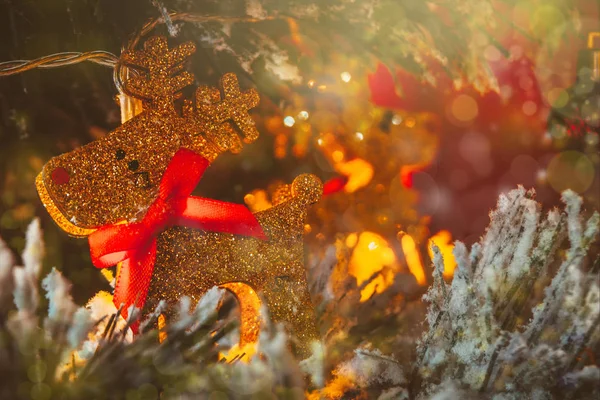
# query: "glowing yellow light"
410,122
322,88
443,240
320,141
359,135
346,76
372,254
307,228
413,259
396,119
237,353
351,240
289,121
311,83
303,115
337,156
107,274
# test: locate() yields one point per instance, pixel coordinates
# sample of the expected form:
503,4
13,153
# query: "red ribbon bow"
134,245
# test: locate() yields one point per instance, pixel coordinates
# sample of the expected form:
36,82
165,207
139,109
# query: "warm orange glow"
358,171
443,240
372,254
338,156
351,240
413,259
464,108
334,390
258,200
162,323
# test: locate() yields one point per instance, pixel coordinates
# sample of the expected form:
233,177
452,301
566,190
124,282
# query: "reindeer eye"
120,154
133,165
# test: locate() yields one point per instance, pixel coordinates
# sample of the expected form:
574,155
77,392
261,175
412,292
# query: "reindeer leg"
289,303
249,304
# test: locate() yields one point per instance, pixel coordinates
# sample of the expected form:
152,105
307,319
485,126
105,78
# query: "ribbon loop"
134,245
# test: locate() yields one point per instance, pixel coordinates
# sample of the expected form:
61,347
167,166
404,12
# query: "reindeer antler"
218,118
161,75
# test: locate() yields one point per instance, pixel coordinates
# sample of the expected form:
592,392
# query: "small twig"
421,356
378,356
490,368
583,343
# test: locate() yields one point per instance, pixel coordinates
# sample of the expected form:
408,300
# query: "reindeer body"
190,261
116,179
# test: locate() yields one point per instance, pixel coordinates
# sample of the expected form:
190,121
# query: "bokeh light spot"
37,372
529,108
545,19
464,108
570,170
491,53
41,391
337,156
590,111
396,119
289,121
557,97
351,240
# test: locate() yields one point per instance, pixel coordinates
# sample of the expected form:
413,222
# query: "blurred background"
417,115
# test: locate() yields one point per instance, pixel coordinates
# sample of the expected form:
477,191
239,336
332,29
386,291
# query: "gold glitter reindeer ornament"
129,193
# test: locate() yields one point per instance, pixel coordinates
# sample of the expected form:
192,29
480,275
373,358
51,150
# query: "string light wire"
58,60
105,58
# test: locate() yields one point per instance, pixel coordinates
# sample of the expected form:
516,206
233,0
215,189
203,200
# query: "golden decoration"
116,178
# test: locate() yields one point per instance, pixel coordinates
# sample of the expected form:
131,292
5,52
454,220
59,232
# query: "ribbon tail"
133,282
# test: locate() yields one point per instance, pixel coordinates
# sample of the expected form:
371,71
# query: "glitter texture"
102,189
189,262
115,179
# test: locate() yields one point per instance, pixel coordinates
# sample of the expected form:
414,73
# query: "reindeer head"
116,178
